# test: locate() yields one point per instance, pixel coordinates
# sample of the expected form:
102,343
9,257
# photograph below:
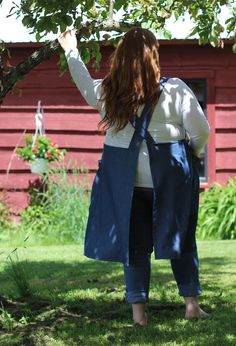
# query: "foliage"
6,320
94,19
43,17
59,213
36,220
36,190
43,148
217,212
16,271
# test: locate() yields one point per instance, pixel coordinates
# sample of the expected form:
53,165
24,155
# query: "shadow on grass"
102,322
59,278
217,262
55,278
82,303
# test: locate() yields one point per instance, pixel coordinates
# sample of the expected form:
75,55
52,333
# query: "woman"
145,193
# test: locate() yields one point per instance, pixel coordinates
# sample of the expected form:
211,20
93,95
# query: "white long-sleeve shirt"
177,111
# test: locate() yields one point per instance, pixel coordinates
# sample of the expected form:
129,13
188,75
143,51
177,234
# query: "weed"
6,319
18,275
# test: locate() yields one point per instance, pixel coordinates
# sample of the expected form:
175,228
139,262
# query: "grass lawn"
77,301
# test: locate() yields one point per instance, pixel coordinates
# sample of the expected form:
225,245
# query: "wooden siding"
71,123
225,140
225,123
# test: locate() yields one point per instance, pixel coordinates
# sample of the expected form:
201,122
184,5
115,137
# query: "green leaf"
77,22
68,20
214,41
228,20
26,21
89,4
85,54
167,34
202,40
54,29
193,32
163,13
118,4
234,48
37,36
63,27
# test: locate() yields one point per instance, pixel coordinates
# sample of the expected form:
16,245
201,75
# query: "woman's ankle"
139,314
191,301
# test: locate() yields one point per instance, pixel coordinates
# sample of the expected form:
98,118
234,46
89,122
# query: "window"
199,87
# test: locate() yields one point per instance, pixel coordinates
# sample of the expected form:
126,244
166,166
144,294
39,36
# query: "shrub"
35,221
217,212
61,213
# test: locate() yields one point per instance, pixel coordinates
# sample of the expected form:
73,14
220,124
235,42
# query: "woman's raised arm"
90,88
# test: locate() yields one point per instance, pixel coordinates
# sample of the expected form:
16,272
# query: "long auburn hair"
134,78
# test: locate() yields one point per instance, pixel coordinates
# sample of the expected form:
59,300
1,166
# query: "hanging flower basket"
39,166
41,154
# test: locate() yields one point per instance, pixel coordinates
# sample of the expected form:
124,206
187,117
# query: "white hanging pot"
39,166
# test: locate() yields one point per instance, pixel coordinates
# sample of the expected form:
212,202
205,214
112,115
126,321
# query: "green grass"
77,301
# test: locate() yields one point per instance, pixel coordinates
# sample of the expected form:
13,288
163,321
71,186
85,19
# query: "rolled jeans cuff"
133,297
189,290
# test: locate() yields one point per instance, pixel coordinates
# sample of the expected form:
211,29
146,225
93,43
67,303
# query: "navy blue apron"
174,208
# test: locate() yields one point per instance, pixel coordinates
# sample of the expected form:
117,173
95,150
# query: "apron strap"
141,123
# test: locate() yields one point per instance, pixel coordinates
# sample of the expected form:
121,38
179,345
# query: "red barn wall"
71,123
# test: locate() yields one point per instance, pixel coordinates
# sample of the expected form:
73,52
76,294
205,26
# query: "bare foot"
142,322
193,309
139,314
195,313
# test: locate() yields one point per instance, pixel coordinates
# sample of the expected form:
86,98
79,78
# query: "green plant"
7,321
217,212
59,213
67,205
24,320
5,220
43,148
37,189
18,275
36,221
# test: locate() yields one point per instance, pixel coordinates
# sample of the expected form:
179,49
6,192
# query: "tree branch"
110,19
8,81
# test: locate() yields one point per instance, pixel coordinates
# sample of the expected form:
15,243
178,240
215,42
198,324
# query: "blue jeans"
137,273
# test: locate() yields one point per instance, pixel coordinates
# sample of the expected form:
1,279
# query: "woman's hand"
68,39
